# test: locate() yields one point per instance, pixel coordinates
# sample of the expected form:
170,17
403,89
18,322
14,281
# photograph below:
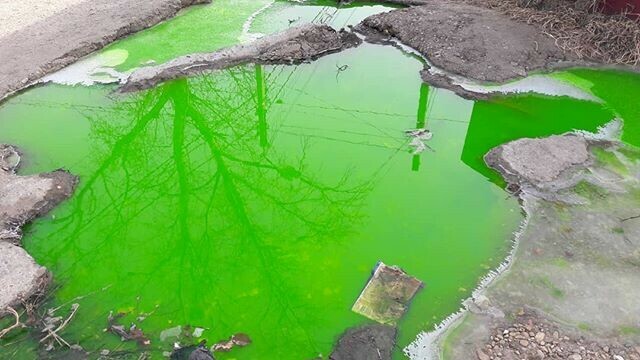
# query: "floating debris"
173,332
126,334
53,325
238,339
387,294
418,137
193,352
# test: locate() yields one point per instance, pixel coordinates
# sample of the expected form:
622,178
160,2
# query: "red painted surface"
631,7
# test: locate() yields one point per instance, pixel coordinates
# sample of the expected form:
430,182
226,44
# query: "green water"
210,27
259,199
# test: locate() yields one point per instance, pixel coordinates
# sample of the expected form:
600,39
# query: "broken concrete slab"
366,343
537,161
20,276
292,46
22,199
473,42
387,295
62,38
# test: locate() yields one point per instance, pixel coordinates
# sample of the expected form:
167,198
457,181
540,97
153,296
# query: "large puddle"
258,199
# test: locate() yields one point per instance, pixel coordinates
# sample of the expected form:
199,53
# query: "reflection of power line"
342,131
339,140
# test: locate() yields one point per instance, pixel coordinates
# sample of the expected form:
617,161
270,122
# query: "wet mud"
292,46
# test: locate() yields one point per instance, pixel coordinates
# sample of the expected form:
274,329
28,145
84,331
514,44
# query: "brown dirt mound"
609,39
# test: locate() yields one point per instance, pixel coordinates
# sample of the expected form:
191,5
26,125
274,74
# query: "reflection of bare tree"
193,161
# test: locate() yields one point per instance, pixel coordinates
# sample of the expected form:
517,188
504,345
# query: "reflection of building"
503,119
436,105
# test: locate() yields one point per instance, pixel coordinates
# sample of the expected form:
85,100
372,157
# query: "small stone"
481,355
575,357
540,337
524,343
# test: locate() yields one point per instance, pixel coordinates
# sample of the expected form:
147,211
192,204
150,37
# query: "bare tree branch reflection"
191,197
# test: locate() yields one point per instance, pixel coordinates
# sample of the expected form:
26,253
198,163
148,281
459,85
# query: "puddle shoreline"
426,345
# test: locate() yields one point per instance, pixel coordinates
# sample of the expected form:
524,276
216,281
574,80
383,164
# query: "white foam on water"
96,69
426,346
541,84
247,35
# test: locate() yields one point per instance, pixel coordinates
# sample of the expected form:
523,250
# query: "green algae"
589,190
609,159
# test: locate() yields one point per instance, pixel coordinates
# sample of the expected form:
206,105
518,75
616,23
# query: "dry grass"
611,39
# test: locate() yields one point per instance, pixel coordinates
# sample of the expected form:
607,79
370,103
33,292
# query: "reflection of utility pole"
261,106
421,121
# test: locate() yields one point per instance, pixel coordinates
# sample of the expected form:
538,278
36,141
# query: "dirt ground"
74,29
470,41
16,15
570,291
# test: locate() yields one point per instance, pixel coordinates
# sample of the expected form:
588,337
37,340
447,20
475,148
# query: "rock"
538,161
366,343
20,276
481,355
23,198
540,337
524,343
575,357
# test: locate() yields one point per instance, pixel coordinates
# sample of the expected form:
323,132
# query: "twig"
16,325
630,218
54,333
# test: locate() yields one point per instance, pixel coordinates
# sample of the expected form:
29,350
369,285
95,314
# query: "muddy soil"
22,199
469,41
365,343
292,46
61,39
